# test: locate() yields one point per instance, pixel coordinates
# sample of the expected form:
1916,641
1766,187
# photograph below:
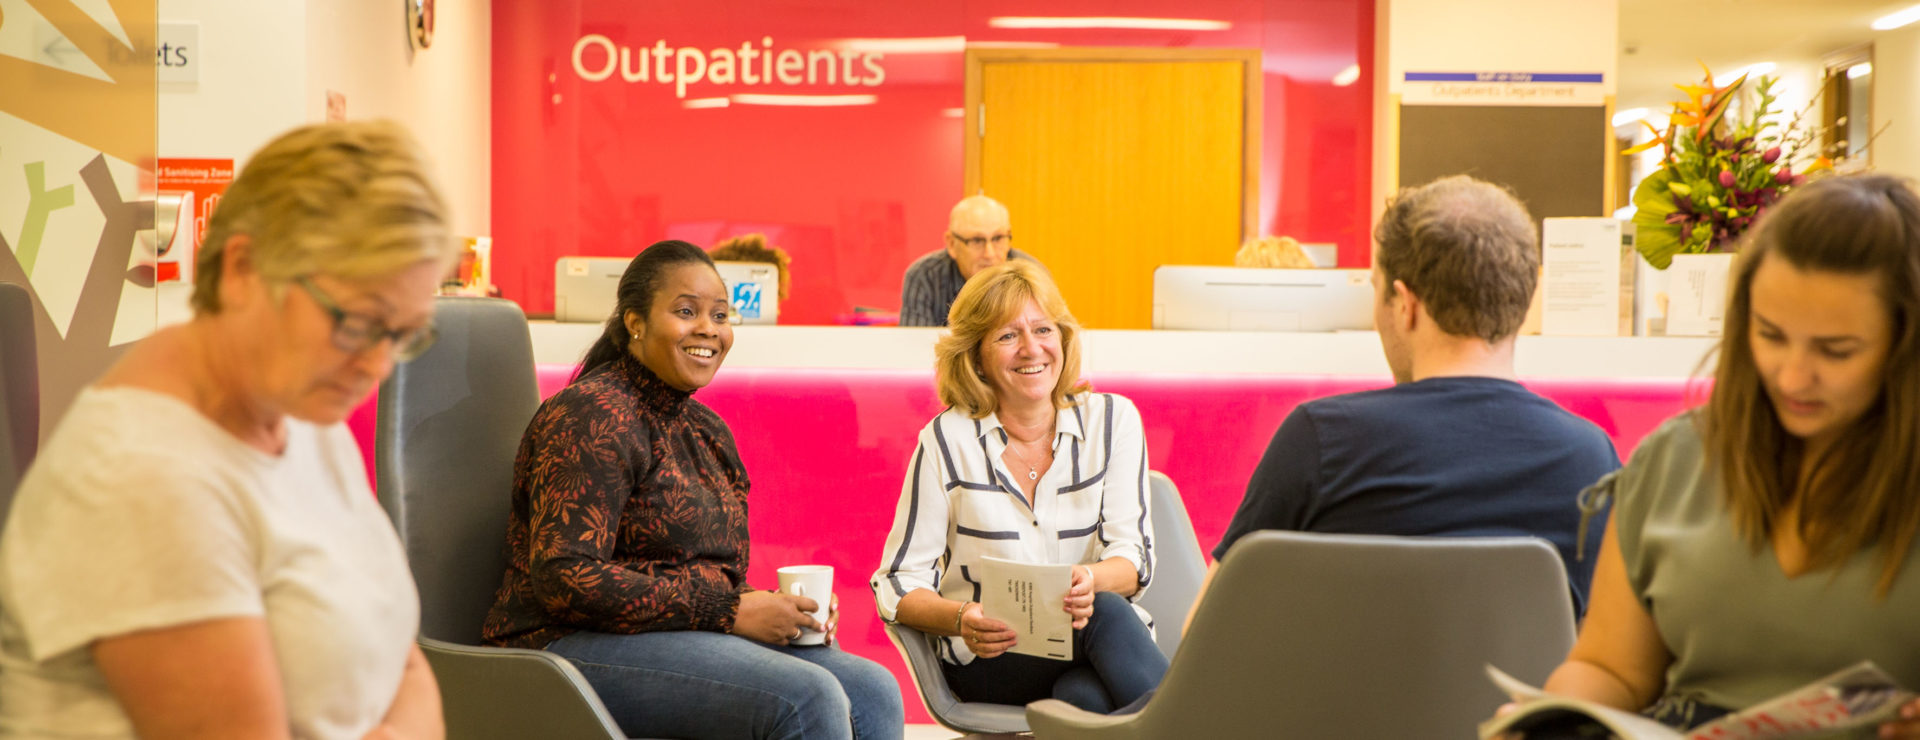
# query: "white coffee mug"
814,582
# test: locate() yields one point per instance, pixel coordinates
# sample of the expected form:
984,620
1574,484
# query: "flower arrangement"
1719,174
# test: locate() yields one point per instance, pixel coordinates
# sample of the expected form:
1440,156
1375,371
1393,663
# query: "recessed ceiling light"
1629,115
1895,20
1751,71
1160,24
806,101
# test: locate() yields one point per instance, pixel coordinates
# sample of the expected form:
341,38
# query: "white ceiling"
1660,40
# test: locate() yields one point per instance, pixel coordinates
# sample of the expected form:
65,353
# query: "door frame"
1250,102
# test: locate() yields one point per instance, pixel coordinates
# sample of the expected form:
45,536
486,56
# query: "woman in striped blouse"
1026,464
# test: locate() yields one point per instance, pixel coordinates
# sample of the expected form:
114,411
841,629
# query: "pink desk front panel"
827,452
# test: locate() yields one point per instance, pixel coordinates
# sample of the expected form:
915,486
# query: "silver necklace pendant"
1033,474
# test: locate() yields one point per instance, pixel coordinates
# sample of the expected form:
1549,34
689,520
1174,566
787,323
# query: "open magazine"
1030,598
1860,695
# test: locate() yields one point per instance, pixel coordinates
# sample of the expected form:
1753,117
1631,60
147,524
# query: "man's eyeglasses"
354,333
980,242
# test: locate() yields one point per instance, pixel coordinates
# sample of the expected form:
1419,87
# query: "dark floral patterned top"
629,515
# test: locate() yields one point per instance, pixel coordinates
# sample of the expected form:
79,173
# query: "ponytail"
635,295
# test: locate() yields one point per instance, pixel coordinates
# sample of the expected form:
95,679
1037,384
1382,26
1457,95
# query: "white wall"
442,93
1485,36
1896,99
252,56
268,65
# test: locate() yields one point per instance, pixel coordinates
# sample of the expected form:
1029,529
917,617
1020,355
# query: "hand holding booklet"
1858,696
1031,598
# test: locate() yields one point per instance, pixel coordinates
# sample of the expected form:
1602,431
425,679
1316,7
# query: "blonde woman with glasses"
196,552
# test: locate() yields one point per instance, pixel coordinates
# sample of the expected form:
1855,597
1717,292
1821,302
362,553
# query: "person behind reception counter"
1457,447
1768,538
196,554
1272,251
979,236
754,248
1027,464
627,539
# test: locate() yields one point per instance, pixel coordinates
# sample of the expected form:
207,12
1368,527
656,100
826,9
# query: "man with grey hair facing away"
979,236
1457,447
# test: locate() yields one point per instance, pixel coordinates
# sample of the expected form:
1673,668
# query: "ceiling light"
908,45
809,101
1347,76
1750,71
1159,24
706,103
1896,20
1859,70
1629,115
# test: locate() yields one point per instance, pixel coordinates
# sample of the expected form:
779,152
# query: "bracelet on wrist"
960,617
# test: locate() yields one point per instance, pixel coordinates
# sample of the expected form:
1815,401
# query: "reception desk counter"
826,420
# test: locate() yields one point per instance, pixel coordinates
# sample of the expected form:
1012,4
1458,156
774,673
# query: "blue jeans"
706,684
1115,662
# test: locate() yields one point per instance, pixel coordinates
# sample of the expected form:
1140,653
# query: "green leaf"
1656,239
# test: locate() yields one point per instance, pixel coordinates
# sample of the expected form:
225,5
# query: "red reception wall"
586,162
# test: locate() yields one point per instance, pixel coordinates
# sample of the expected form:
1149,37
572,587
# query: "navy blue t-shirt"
1449,456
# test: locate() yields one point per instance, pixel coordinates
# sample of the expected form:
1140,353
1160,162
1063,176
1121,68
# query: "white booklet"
1860,695
1031,599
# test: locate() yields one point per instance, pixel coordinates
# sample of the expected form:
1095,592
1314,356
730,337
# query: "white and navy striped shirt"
960,503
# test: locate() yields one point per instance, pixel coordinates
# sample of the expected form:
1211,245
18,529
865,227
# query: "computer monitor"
585,288
755,290
1261,299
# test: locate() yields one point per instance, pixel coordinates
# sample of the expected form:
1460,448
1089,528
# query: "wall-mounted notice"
1698,286
1503,88
200,182
1580,285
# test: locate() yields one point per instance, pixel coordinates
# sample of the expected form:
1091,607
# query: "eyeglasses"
980,242
354,333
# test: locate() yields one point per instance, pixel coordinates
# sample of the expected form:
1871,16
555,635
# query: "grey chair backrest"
1178,563
19,391
449,425
1308,635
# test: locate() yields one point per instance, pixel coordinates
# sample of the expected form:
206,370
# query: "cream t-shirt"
141,513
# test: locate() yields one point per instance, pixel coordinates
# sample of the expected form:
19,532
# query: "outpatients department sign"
597,58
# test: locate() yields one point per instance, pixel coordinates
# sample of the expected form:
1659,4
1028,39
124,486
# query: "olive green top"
1739,630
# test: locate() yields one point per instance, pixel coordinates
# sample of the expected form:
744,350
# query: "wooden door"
1114,162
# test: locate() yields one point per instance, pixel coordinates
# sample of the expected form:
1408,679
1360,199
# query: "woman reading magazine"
1764,540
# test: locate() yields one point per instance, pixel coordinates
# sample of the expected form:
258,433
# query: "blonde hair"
1272,251
989,300
351,200
754,248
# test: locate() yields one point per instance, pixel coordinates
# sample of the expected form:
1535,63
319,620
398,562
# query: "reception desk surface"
1327,353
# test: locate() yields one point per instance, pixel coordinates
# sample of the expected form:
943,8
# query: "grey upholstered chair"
449,425
1178,568
965,717
19,391
1178,564
1305,635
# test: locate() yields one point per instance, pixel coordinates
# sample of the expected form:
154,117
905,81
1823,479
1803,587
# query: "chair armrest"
1052,718
488,692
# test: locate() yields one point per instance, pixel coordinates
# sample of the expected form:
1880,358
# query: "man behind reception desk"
979,236
1457,447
